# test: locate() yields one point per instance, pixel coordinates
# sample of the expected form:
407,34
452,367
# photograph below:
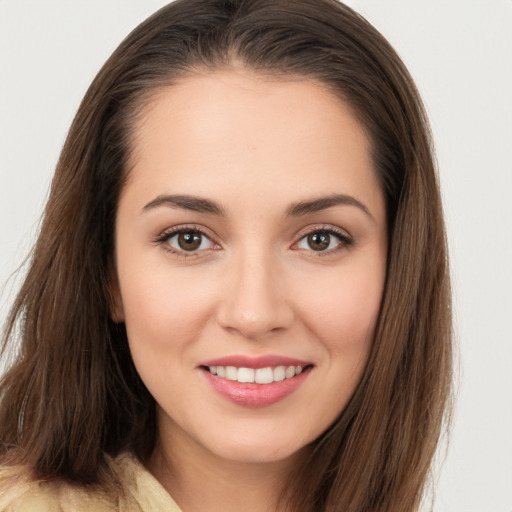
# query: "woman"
239,296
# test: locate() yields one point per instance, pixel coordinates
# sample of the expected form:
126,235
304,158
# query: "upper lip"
241,361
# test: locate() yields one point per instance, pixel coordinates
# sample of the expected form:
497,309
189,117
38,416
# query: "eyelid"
168,233
346,240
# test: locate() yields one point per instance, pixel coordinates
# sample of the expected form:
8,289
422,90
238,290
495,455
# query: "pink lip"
255,362
255,395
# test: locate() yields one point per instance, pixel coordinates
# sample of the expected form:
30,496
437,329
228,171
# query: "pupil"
319,241
189,241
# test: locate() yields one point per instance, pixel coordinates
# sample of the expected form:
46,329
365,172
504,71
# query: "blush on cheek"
160,320
348,317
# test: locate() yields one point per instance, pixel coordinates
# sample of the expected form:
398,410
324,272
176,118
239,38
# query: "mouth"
265,375
256,383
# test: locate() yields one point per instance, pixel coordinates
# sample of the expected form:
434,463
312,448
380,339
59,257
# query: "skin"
255,286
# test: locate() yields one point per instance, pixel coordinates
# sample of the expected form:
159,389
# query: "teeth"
279,373
231,373
289,372
259,376
264,376
245,375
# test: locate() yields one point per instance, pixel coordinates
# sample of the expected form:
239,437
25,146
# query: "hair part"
73,394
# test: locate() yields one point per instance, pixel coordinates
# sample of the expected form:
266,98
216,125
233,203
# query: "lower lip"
255,395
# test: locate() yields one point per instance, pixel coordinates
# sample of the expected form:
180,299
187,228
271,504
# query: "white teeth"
289,373
264,376
231,373
259,376
279,373
245,375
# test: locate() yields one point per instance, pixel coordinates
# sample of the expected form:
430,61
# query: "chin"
261,448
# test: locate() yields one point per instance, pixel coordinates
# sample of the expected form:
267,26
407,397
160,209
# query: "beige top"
143,493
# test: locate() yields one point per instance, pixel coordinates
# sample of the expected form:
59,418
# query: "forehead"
230,131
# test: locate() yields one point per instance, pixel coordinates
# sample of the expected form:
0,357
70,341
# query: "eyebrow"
323,203
203,205
185,202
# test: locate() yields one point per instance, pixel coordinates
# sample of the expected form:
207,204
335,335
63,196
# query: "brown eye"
324,240
319,241
188,241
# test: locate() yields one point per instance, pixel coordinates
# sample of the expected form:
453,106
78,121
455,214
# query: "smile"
259,375
255,382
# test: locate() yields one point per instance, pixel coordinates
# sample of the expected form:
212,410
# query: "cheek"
164,315
163,309
342,313
342,309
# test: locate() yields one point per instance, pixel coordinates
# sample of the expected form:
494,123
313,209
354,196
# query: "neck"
199,480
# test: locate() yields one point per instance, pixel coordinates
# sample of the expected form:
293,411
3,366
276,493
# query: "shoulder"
20,492
140,492
141,487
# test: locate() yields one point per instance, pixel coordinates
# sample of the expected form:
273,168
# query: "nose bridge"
255,302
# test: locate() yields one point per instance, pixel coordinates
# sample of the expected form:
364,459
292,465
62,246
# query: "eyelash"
164,238
345,241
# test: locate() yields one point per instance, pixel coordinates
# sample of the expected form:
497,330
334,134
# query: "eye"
186,241
324,240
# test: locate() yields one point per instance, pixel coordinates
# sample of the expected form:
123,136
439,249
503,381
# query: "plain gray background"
460,54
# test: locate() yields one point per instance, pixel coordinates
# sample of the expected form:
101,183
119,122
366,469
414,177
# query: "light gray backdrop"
460,53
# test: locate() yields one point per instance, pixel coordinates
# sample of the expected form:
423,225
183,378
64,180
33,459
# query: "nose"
254,301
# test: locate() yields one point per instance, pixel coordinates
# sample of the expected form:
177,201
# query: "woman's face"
250,246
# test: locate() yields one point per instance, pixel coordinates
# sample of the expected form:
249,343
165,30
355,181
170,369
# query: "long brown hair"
72,394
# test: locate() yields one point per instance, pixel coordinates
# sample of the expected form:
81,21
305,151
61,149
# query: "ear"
115,300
